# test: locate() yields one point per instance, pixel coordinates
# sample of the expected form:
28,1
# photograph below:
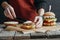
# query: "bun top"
49,14
28,22
10,22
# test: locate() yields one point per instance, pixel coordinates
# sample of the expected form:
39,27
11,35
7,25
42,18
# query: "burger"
28,25
49,19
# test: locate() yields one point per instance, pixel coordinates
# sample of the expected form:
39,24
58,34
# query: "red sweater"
24,9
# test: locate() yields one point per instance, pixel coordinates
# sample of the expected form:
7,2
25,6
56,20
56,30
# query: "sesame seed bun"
49,14
11,22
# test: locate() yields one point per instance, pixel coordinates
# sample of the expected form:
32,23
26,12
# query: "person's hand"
9,11
38,21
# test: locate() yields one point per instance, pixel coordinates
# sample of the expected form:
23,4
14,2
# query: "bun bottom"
10,24
26,27
49,24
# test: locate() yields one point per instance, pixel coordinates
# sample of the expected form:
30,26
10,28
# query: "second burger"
49,19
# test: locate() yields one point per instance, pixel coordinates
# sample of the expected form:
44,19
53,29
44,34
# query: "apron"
24,9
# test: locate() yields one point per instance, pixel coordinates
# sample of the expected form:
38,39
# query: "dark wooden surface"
13,35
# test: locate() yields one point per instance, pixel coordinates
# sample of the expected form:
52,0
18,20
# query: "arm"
4,4
1,1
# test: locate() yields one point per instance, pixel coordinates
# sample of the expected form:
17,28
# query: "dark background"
55,8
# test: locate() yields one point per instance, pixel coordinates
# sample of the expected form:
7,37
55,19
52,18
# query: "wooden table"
13,35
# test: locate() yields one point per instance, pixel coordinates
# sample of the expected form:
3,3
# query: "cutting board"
41,29
47,28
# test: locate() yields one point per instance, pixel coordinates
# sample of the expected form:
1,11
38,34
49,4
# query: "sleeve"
2,1
40,4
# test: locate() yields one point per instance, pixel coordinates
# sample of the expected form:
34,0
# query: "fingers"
12,12
39,25
36,18
39,22
8,13
40,19
11,16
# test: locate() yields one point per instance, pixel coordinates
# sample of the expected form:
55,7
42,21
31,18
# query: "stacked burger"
49,19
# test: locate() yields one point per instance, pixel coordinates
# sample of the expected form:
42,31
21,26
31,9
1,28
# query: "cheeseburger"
49,19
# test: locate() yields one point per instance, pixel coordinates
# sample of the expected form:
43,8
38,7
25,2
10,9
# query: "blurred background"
55,8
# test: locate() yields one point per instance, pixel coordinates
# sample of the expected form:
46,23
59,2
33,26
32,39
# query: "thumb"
8,13
12,12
